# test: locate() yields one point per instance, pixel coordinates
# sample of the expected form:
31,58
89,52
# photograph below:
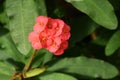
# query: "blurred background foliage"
94,47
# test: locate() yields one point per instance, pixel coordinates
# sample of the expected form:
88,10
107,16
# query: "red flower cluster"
51,34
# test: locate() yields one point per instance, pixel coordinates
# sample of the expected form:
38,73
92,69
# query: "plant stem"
30,61
17,77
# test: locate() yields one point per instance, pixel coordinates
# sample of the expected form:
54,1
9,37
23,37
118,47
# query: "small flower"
54,44
44,36
51,34
62,47
51,26
65,32
40,25
59,27
34,39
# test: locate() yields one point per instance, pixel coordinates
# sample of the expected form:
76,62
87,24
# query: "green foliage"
34,72
8,48
113,43
41,7
88,67
21,15
6,71
94,47
42,57
56,76
100,11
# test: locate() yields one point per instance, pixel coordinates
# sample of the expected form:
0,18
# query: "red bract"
62,47
51,34
40,25
34,39
54,44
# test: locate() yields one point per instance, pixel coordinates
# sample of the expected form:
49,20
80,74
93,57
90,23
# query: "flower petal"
59,27
63,46
36,45
33,37
41,23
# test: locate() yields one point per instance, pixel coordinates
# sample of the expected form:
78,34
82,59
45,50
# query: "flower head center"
49,26
57,28
41,24
43,39
54,43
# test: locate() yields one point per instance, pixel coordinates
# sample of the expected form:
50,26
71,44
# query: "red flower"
34,39
62,47
51,34
65,35
40,25
54,44
59,27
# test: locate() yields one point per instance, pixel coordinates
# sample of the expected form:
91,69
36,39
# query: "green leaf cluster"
94,47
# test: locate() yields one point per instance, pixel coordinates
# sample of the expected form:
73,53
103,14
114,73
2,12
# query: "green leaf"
22,15
47,57
8,49
84,66
43,56
3,17
6,71
41,5
34,72
3,55
38,58
101,11
113,44
57,76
